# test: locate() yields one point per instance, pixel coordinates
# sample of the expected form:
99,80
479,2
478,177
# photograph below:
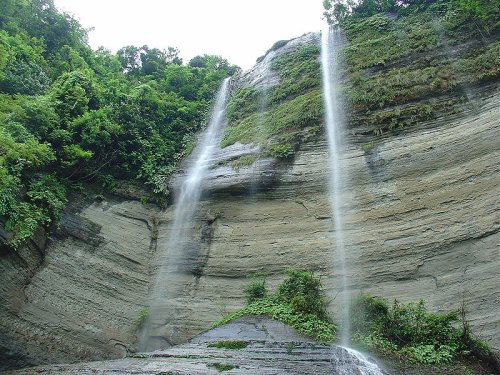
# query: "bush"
303,291
299,302
255,290
411,331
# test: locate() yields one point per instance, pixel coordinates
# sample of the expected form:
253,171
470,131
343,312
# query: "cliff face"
78,298
421,221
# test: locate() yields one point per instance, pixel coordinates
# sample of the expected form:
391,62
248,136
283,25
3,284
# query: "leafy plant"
409,330
303,291
255,290
289,305
141,316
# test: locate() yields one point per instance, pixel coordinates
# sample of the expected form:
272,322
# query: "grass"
293,105
229,344
243,161
281,125
220,367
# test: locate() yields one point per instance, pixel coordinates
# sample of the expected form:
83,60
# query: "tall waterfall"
334,116
330,39
173,257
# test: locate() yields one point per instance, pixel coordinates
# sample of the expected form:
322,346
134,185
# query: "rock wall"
421,221
79,297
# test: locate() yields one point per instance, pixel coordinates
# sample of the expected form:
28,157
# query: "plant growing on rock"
299,302
255,290
412,332
141,316
229,344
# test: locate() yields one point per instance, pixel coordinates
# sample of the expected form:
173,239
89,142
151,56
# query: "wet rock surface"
421,223
273,348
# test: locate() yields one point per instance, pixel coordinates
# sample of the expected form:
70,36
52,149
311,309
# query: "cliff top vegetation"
404,63
70,115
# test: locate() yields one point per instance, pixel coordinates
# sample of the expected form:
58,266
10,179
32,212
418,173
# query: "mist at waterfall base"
331,42
171,258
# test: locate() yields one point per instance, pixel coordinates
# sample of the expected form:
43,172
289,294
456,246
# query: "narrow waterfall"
334,116
173,258
330,39
263,102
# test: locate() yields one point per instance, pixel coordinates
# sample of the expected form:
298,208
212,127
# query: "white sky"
238,30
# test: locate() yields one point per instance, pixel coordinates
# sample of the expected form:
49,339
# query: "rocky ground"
272,348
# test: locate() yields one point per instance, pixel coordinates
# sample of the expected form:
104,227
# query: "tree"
22,67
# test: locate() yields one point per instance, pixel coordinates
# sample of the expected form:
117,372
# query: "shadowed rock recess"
421,221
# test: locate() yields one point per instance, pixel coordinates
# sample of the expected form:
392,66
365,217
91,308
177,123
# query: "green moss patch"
220,367
229,344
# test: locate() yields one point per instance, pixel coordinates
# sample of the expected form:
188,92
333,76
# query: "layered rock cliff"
421,221
78,297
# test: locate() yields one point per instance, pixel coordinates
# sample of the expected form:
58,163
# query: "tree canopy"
484,12
71,115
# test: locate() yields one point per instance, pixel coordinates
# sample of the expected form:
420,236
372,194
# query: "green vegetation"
71,116
298,71
220,367
298,302
229,344
405,63
274,47
412,332
480,15
293,109
282,127
141,316
410,62
255,290
243,161
139,356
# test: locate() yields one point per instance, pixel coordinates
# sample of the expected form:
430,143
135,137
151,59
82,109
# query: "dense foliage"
418,62
299,302
404,63
409,330
70,115
344,11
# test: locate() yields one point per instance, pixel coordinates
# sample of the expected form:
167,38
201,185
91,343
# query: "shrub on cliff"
411,331
299,302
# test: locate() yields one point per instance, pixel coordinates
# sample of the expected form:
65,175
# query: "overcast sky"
238,30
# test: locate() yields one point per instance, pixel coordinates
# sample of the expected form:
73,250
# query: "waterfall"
175,255
334,116
262,103
330,39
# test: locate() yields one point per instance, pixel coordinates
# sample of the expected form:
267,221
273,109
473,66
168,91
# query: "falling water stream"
175,255
330,45
334,124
